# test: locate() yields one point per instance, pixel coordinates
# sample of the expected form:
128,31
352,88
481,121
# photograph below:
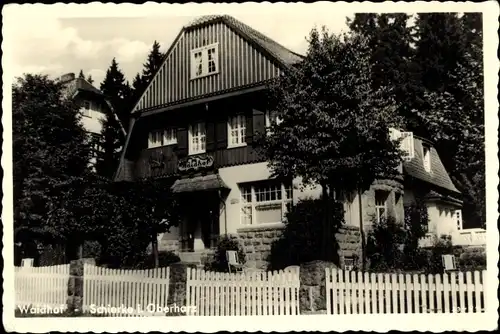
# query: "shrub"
434,261
302,237
219,260
385,245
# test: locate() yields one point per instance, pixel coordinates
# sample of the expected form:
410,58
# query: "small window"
204,61
427,158
86,110
163,137
381,205
236,130
197,138
272,118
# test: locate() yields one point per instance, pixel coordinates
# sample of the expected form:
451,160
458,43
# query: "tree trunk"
326,222
362,232
154,250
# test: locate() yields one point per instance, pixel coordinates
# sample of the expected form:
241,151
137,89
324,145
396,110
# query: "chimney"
67,77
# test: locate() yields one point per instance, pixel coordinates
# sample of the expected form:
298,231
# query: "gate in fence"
253,293
119,292
350,292
41,286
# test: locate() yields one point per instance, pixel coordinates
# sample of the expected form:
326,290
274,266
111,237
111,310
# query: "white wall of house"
92,117
235,175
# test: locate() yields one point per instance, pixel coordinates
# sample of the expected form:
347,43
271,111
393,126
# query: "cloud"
43,45
97,74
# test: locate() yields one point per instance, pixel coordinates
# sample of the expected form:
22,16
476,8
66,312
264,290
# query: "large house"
196,122
94,106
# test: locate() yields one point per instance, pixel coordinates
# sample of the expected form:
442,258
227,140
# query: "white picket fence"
41,286
350,292
239,294
123,293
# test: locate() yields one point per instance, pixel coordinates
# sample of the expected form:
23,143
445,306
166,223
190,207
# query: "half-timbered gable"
211,56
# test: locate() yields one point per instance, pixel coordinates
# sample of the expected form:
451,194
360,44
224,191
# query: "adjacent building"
196,124
94,106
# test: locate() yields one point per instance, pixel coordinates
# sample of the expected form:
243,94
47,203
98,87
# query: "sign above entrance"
195,163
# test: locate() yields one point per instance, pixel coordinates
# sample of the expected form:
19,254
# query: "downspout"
125,146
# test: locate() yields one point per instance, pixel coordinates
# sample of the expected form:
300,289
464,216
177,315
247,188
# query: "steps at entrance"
195,257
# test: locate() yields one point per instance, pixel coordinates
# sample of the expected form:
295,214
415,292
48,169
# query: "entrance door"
203,221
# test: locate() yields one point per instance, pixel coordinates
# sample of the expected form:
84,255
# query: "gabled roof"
80,84
438,175
281,53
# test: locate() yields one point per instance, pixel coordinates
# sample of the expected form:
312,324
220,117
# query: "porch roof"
199,183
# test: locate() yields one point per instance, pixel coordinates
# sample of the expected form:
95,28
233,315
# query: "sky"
54,45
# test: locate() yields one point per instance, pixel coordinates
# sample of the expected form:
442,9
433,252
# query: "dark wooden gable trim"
161,102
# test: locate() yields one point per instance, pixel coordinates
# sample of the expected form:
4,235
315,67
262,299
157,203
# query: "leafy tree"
50,149
334,124
391,38
153,207
453,115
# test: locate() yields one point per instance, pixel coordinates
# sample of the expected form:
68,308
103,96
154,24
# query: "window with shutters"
265,202
236,131
197,138
427,158
163,137
204,61
406,144
272,118
381,205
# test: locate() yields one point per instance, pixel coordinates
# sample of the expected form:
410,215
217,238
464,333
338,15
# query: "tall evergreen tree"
90,79
153,63
118,90
81,75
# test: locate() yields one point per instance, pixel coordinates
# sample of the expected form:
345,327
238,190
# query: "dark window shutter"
221,133
249,127
258,122
182,142
210,133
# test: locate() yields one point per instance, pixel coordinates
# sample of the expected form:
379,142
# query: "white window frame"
87,112
204,60
379,205
202,137
248,210
407,143
240,130
426,157
162,137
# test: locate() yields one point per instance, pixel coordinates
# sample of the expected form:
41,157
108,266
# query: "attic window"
427,158
205,61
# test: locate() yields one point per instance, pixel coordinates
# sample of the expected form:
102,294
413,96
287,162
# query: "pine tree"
118,90
153,63
90,80
81,76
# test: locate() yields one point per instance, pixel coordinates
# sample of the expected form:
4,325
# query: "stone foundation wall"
256,244
312,291
349,239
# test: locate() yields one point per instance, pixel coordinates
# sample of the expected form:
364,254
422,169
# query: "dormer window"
205,61
427,158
